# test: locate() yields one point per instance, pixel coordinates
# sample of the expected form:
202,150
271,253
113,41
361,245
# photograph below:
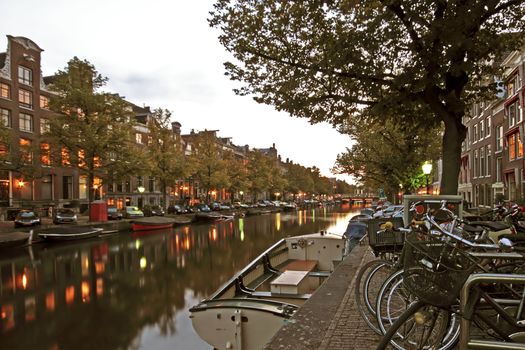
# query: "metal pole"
427,185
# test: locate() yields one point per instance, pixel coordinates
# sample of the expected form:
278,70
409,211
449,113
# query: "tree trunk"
453,136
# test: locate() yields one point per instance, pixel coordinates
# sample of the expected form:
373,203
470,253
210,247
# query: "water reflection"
132,291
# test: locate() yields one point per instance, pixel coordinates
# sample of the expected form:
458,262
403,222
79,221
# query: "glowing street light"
427,169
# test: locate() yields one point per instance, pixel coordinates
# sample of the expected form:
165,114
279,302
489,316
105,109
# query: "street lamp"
241,193
277,194
141,190
427,169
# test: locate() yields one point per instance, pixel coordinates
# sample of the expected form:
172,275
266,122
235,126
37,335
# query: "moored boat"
208,217
69,233
152,223
249,309
13,239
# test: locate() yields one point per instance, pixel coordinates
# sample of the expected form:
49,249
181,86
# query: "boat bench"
293,279
290,282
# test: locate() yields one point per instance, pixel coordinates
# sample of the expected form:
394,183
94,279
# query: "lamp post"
141,191
242,196
427,169
277,194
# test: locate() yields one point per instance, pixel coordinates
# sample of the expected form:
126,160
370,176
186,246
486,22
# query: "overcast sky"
162,53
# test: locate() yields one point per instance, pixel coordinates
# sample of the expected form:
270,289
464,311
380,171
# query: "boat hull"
240,324
69,234
149,227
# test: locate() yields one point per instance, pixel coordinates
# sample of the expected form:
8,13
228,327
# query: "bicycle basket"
382,241
435,271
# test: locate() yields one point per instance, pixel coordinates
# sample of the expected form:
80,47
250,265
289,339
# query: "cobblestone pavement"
347,330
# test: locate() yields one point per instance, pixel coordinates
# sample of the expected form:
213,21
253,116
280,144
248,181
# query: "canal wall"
330,319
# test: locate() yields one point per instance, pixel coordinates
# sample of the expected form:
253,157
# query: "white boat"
249,309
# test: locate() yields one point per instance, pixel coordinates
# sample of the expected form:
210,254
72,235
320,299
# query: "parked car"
132,212
215,206
64,216
178,209
26,218
157,210
201,208
114,213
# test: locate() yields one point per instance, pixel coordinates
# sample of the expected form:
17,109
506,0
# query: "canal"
130,291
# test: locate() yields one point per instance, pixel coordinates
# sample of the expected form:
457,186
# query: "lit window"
66,158
138,138
44,102
5,91
25,98
45,154
25,75
4,150
512,147
5,117
81,158
25,150
26,122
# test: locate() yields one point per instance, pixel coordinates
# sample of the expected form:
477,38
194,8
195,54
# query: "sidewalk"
330,319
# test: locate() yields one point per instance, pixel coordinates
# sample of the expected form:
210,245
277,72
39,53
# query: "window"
26,153
66,157
482,161
482,130
81,159
515,146
499,138
67,187
475,133
513,113
4,151
151,184
45,154
138,138
489,158
25,75
44,102
512,147
512,85
26,122
82,187
475,167
5,117
44,126
488,127
25,98
5,91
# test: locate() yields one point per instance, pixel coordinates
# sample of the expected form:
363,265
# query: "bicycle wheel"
394,300
368,282
420,327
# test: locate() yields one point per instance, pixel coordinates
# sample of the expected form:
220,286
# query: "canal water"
133,291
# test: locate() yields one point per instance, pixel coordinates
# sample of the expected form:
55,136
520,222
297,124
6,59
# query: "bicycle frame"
465,343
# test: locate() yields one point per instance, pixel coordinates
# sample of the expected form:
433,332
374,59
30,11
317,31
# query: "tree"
386,155
418,60
259,173
164,152
237,174
207,161
92,131
299,179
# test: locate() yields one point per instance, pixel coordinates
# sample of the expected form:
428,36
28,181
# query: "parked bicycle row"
441,280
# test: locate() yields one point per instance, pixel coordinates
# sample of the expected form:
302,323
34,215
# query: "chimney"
175,127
